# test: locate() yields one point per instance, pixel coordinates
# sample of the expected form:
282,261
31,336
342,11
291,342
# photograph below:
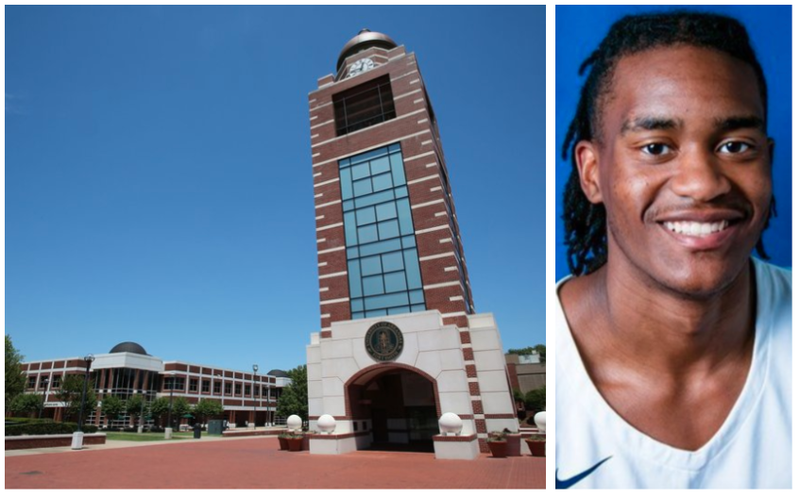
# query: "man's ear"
586,157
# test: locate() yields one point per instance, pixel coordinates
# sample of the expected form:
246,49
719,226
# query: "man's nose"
700,176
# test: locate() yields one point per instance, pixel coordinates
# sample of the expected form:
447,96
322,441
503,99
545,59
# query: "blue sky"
159,183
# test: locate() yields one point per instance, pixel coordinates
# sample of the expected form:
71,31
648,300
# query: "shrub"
497,436
536,400
42,429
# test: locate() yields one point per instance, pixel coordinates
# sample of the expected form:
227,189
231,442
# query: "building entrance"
398,407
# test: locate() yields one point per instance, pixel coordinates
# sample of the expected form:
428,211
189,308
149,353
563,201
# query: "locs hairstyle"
584,222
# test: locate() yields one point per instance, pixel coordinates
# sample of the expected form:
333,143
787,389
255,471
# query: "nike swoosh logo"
561,484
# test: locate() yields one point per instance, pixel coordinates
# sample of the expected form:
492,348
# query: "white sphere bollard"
450,423
540,418
294,422
326,423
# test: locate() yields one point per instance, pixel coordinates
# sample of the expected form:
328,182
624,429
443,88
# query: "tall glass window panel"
383,265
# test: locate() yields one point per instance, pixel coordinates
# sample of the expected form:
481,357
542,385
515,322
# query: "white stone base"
337,444
167,433
465,448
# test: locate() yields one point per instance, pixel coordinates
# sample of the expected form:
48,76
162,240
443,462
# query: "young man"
673,353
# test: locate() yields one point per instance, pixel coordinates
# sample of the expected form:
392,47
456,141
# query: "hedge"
46,428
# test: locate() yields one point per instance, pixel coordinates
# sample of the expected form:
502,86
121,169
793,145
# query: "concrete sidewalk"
257,463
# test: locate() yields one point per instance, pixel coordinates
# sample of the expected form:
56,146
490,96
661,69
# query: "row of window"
43,381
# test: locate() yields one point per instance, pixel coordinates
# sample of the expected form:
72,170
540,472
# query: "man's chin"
700,281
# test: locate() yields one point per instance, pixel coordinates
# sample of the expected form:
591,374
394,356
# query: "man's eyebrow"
649,124
740,122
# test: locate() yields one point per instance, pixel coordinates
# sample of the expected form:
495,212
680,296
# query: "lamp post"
77,437
141,411
44,396
255,370
269,402
168,429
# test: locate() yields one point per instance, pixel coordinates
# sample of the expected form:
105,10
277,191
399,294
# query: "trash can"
215,427
197,430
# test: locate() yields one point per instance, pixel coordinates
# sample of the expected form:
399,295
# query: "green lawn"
151,437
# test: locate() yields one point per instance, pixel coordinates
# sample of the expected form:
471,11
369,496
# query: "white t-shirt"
596,448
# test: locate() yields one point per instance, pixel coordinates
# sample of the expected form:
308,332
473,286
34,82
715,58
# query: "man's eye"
735,147
656,149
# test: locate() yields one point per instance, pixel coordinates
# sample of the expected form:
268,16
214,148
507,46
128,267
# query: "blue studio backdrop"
579,30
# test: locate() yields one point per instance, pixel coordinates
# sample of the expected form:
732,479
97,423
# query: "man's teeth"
693,228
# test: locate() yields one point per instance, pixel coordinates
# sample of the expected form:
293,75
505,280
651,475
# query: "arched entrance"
398,405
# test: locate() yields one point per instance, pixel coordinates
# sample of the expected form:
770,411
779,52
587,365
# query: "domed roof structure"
132,347
362,41
278,373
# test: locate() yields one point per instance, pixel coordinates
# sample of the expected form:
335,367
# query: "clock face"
360,66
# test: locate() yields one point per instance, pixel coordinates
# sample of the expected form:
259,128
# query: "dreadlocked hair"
585,223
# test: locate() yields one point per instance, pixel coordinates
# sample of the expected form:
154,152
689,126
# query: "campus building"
400,342
128,370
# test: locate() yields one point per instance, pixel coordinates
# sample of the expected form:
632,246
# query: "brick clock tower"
399,343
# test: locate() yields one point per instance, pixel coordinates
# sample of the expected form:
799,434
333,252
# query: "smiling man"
674,347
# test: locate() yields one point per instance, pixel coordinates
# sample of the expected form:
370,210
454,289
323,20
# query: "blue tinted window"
412,268
382,182
404,216
383,272
380,165
416,297
360,171
365,216
371,265
354,278
392,262
380,247
397,169
347,184
388,229
373,285
384,301
386,211
350,229
362,187
367,234
395,282
375,198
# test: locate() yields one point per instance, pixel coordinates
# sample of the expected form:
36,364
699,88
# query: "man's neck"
666,332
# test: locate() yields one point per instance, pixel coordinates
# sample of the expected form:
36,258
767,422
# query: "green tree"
294,398
28,404
207,408
70,394
536,400
542,351
159,409
180,407
133,407
15,377
539,349
112,406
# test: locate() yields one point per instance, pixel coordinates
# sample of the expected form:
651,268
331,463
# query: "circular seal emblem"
384,341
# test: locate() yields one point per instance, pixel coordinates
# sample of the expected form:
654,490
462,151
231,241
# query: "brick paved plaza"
257,463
